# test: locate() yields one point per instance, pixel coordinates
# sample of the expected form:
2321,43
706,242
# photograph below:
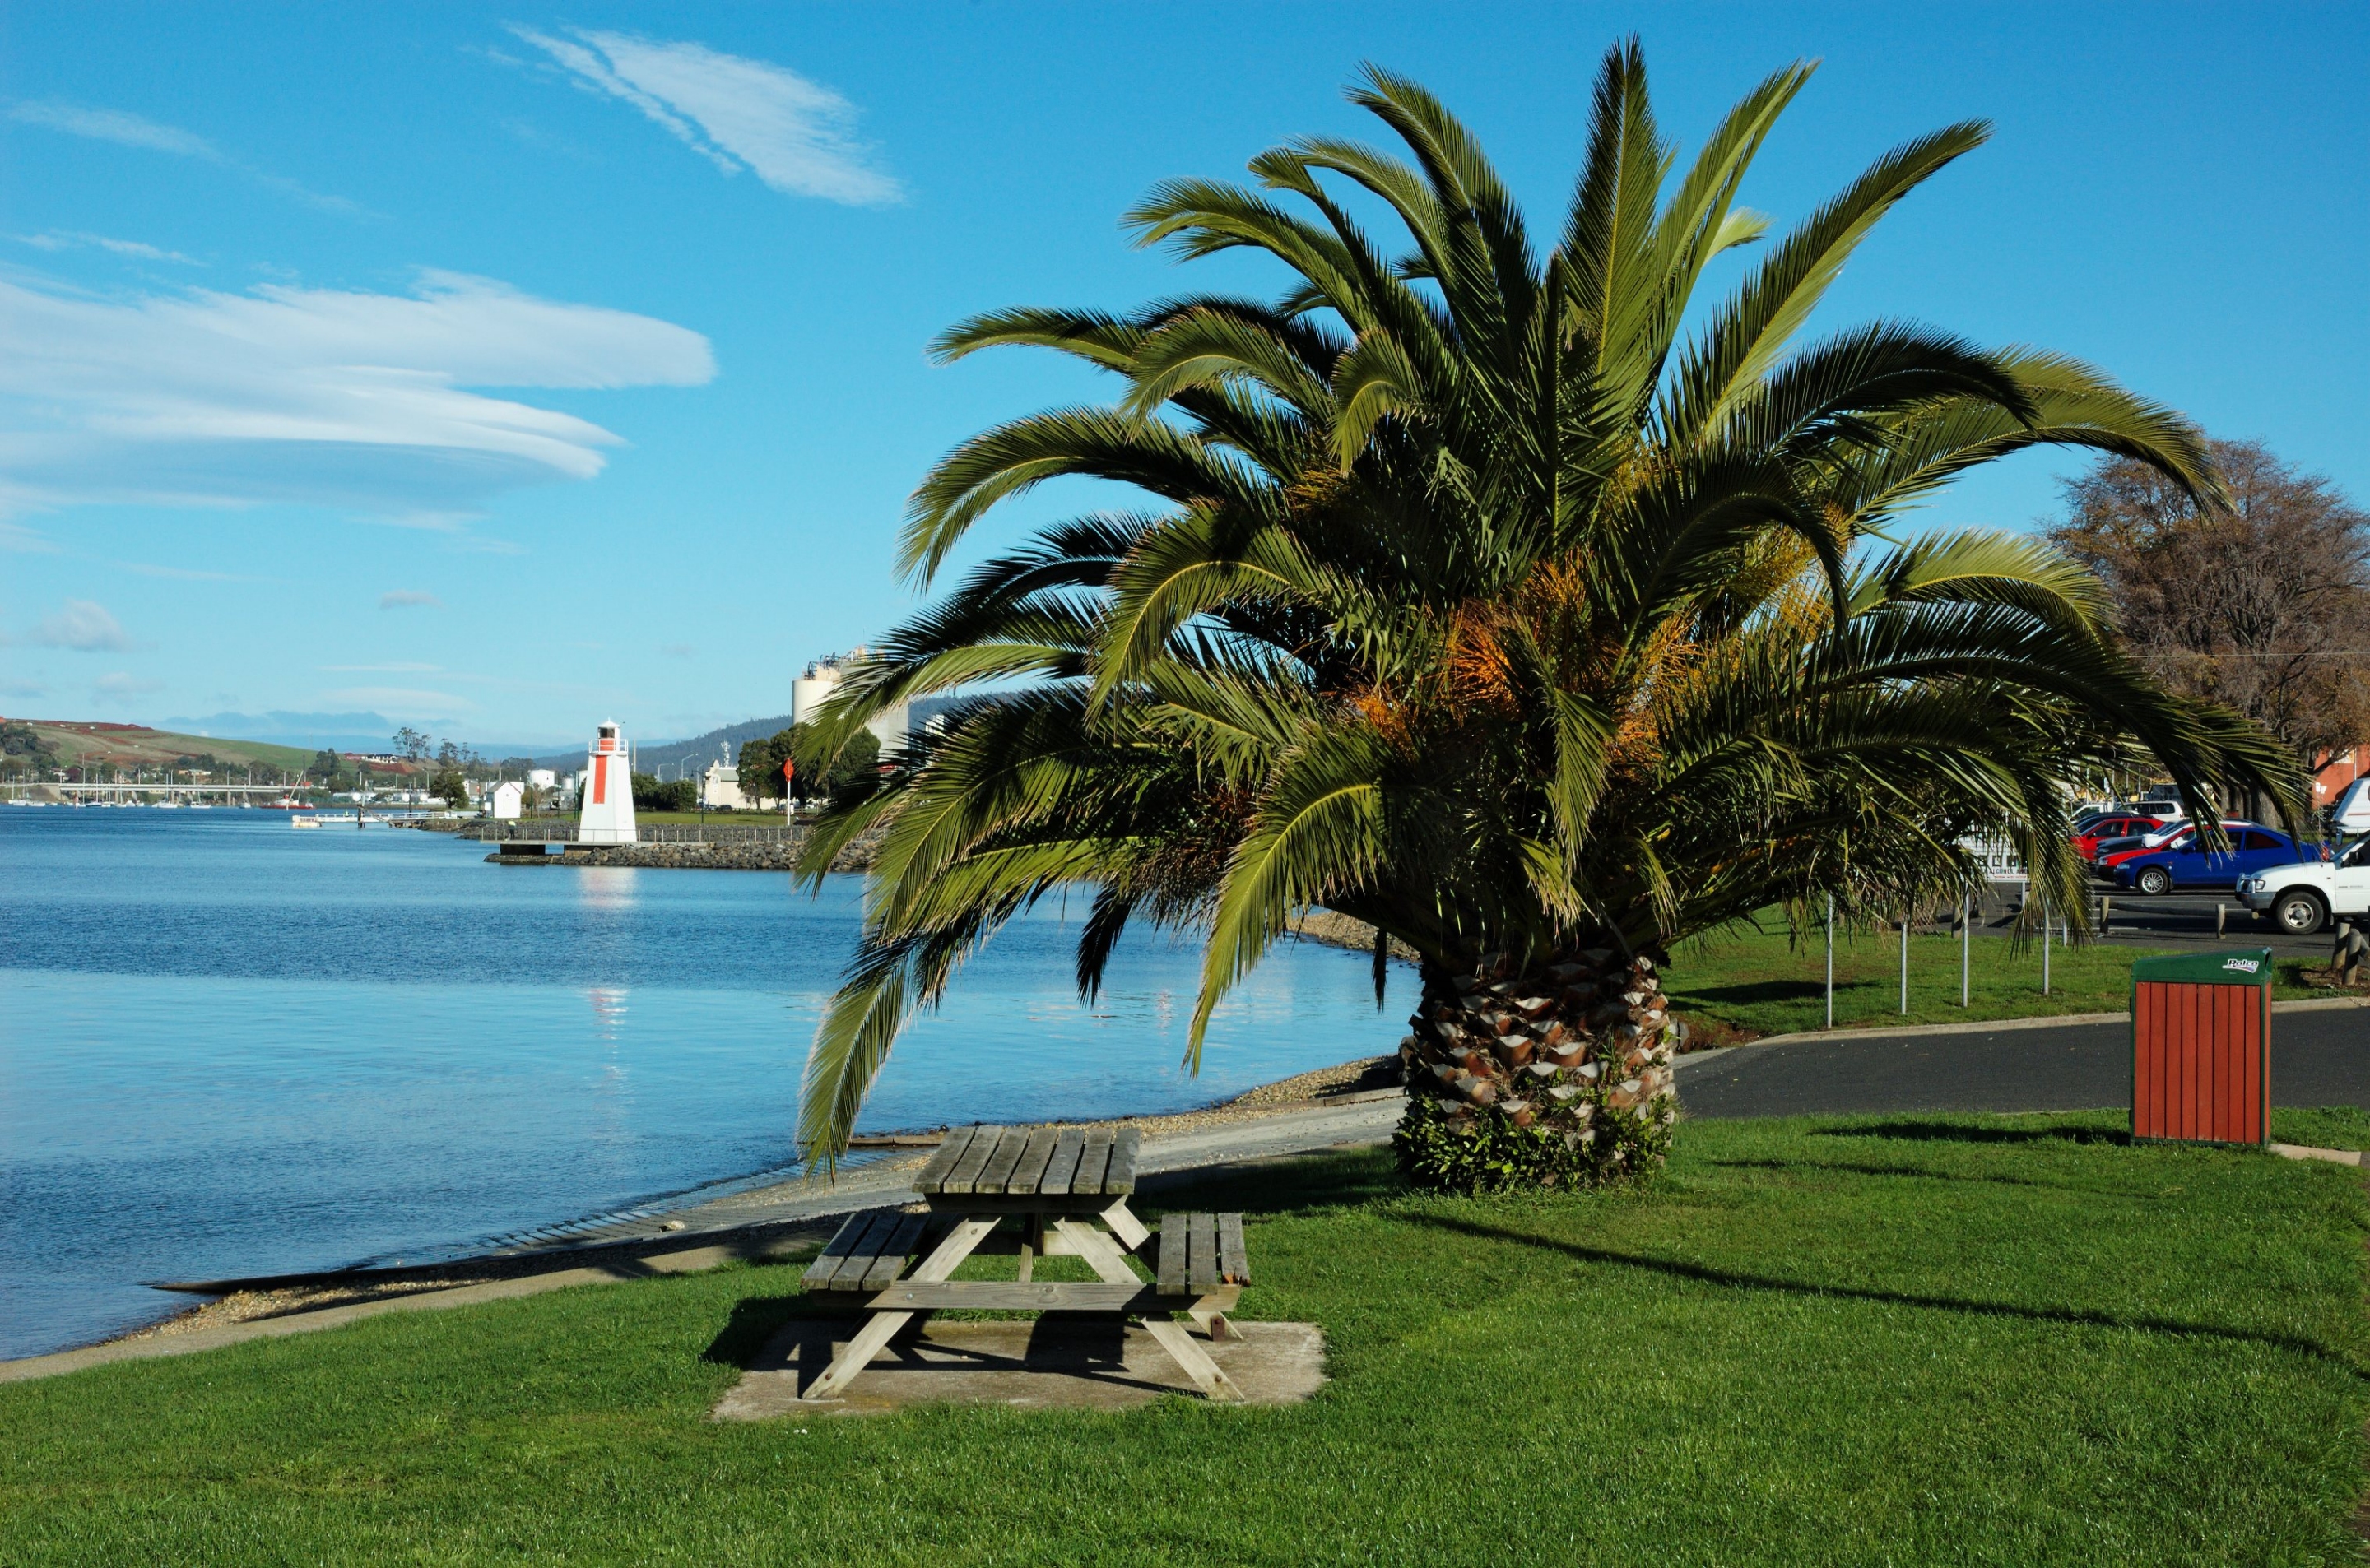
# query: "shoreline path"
2320,1057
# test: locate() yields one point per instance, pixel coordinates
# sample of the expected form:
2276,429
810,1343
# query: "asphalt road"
2176,921
2318,1059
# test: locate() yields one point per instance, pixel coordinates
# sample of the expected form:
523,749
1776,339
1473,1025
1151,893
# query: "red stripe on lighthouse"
600,780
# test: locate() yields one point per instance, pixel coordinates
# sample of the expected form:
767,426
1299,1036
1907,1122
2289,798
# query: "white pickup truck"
2303,896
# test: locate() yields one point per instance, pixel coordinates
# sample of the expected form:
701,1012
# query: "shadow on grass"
2073,1317
1955,1132
1751,992
755,1320
1918,1171
1285,1185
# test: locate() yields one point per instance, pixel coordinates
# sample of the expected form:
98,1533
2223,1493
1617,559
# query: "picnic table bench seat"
1201,1254
1069,1188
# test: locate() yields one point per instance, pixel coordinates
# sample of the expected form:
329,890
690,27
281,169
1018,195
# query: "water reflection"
608,1012
608,889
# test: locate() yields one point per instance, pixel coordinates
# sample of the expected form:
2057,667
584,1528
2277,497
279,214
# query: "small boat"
304,822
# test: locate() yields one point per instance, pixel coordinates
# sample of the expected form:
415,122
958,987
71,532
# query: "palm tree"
1473,603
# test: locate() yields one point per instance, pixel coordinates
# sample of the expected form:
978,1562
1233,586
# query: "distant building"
506,800
809,693
719,788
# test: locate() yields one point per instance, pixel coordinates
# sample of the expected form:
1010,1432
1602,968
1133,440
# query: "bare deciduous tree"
2265,607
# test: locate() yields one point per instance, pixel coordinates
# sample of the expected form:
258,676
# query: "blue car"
2184,862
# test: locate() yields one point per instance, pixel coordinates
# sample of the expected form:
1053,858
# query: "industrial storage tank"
809,693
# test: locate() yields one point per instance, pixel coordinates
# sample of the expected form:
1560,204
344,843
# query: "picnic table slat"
859,1264
944,1160
1201,1253
1171,1272
835,1252
1093,1161
856,1255
890,1258
964,1177
1034,1156
1120,1175
995,1176
1234,1258
1062,1168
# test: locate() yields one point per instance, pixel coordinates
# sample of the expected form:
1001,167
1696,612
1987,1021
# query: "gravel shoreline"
1298,1093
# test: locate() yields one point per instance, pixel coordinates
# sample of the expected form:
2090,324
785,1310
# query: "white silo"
809,693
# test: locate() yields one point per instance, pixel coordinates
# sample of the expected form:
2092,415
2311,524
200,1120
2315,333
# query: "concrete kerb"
1995,1025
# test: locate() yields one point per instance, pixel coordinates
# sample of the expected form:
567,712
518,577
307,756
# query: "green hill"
137,745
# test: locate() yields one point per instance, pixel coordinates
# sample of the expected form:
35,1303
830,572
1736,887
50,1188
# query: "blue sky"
501,370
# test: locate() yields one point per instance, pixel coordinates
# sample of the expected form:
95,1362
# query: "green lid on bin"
2223,966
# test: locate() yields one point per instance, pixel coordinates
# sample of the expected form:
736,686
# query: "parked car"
2113,825
2155,810
2302,895
2113,852
2185,862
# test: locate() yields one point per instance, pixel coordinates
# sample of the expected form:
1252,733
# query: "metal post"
2045,945
1831,960
1966,943
1904,968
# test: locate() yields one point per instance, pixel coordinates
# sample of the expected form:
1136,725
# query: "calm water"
231,1048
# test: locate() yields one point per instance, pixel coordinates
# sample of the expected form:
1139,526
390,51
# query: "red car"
2117,826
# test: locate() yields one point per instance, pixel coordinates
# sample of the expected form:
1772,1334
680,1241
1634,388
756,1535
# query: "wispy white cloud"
114,125
675,650
795,134
359,401
186,574
128,130
400,702
23,689
69,239
116,684
83,626
407,599
380,668
484,544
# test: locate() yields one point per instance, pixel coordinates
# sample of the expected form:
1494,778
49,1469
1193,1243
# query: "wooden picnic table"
1066,1191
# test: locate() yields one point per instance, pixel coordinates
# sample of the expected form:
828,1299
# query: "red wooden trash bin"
2202,1047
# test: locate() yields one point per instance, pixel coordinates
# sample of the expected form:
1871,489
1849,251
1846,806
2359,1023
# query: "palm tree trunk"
1562,1076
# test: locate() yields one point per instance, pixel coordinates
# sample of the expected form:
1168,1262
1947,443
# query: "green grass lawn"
1947,1340
1743,985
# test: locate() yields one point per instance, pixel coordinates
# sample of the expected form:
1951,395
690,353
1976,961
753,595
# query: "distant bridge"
120,791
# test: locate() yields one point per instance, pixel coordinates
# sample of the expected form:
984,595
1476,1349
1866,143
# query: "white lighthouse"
607,791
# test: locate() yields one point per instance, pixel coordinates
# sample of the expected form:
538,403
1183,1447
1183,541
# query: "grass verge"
1741,985
2011,1340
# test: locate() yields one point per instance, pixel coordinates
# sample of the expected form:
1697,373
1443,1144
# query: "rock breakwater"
781,854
